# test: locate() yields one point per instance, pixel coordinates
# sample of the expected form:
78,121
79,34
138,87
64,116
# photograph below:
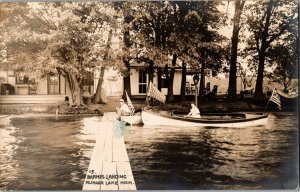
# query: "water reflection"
6,139
46,152
221,158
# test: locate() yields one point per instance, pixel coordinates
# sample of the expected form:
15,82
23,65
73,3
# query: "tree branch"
273,37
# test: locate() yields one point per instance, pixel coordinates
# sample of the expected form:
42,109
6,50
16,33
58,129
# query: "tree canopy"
270,23
72,38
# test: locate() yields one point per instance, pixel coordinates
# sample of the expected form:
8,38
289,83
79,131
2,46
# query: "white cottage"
139,80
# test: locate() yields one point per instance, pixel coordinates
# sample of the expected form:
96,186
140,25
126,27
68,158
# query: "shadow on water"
225,158
183,162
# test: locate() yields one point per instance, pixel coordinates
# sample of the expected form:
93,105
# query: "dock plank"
108,153
110,173
109,168
127,182
95,166
119,150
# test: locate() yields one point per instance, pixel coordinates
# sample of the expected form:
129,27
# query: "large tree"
73,39
11,15
201,45
268,23
153,25
179,30
285,58
127,11
234,48
102,17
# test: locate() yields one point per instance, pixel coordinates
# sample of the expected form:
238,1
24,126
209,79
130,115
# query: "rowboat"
206,120
132,120
135,117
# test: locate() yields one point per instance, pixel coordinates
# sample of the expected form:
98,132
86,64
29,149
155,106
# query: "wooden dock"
109,167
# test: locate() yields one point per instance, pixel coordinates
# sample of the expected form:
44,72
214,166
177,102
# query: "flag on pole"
155,93
129,103
276,98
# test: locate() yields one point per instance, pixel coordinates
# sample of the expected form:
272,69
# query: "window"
142,82
54,85
207,88
88,82
88,78
164,82
24,80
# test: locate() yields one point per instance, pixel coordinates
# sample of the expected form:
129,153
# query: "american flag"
155,93
276,98
129,103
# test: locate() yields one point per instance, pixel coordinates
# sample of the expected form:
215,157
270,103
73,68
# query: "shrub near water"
82,109
18,109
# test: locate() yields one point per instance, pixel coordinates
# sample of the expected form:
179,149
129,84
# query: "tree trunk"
126,60
100,80
202,80
183,82
262,54
126,78
234,49
76,97
260,76
166,72
171,79
159,79
99,86
126,84
151,71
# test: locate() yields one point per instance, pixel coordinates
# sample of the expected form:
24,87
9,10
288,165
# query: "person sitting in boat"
124,109
195,112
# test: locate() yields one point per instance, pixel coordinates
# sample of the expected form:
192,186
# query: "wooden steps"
109,167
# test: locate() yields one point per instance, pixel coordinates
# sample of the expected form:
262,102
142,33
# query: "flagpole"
146,102
269,101
266,106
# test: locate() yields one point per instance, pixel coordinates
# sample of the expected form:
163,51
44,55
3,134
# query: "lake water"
45,152
263,157
52,153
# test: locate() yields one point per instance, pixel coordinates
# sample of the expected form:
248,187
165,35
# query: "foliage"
270,23
71,40
285,59
198,38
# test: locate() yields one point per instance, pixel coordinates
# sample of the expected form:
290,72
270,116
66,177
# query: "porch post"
59,92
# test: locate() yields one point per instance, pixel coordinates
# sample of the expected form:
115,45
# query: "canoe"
209,120
132,120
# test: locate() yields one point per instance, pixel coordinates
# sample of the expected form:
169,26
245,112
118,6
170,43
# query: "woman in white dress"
195,112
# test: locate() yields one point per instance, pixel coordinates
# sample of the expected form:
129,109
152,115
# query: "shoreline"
49,115
211,106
